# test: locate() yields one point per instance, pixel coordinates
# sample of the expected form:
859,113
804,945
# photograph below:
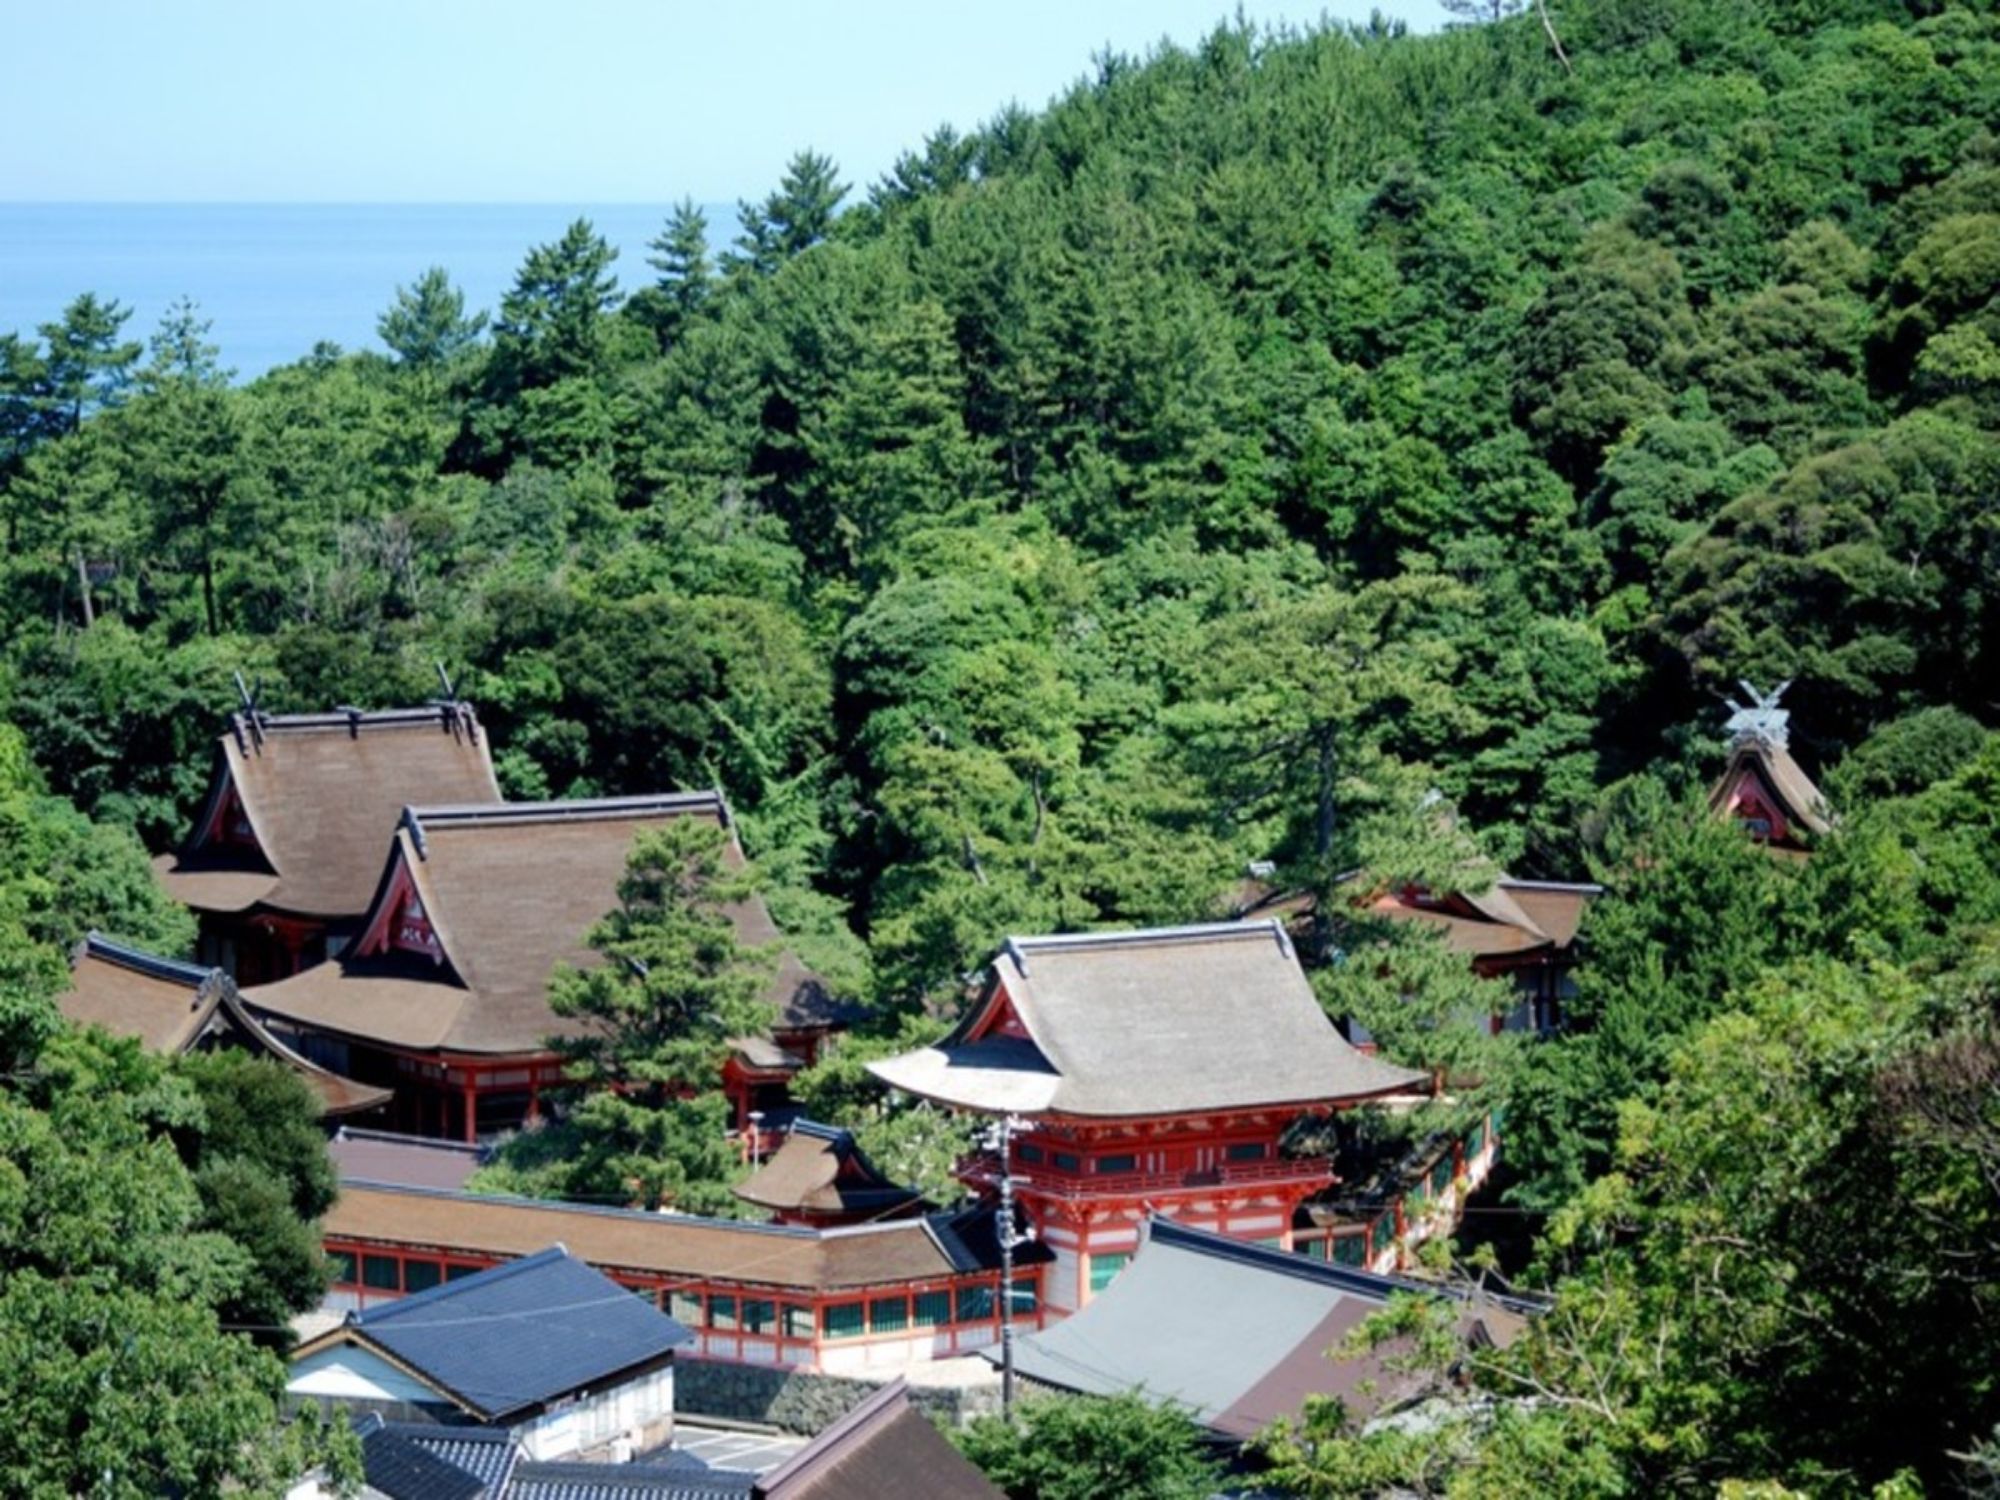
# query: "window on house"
1027,1295
1349,1249
930,1309
798,1321
421,1275
975,1304
341,1263
1109,1164
842,1320
759,1315
458,1271
1247,1151
1104,1267
686,1307
381,1273
1029,1152
888,1315
722,1312
1064,1161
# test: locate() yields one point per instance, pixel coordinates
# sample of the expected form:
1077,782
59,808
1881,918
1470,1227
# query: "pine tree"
427,327
680,256
795,218
674,987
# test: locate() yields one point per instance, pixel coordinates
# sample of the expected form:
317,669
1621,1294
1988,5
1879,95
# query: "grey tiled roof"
511,1339
1259,1345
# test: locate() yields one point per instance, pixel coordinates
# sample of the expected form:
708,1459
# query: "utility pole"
1003,1135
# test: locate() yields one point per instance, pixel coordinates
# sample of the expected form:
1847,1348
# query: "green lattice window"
843,1320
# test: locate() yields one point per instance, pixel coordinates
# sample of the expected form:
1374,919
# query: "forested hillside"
1208,469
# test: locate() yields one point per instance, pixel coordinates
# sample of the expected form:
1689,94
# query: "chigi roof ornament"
1760,721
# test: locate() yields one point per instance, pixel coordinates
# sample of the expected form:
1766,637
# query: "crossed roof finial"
1760,720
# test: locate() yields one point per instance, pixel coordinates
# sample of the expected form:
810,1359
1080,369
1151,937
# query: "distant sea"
277,278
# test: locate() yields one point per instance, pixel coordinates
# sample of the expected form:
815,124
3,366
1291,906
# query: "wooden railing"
984,1170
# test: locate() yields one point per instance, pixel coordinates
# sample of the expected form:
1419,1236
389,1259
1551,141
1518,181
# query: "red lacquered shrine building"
443,993
1152,1072
1522,931
1762,788
284,857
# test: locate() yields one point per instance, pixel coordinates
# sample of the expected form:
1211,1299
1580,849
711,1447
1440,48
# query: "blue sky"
513,101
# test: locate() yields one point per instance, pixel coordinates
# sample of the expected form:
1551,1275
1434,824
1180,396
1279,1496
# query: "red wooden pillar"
471,1110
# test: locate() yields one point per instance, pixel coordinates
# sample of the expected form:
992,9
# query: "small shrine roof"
1177,1020
822,1169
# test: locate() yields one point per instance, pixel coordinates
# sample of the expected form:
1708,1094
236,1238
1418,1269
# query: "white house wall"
347,1373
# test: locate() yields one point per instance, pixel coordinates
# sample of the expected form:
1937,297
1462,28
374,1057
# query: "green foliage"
1269,433
120,1275
426,327
674,986
1093,1448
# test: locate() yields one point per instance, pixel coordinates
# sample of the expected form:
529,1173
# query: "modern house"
173,1008
1764,790
444,992
563,1358
820,1176
883,1449
285,854
1150,1072
1263,1342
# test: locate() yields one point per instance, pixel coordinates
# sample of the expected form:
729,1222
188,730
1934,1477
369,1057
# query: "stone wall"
805,1402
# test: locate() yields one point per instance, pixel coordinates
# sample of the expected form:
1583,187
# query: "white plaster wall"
345,1373
597,1418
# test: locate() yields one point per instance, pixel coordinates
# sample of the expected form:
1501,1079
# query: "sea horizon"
278,278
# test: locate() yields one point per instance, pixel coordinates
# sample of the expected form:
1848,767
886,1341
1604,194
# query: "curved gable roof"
321,793
511,891
1176,1020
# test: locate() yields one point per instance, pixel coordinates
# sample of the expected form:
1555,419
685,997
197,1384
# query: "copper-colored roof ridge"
1586,887
441,715
1136,937
558,810
95,944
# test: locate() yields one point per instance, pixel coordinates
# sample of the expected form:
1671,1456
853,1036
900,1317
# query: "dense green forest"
1263,442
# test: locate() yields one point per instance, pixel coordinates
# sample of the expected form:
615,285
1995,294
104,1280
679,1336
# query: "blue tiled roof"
486,1453
402,1469
585,1481
520,1335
